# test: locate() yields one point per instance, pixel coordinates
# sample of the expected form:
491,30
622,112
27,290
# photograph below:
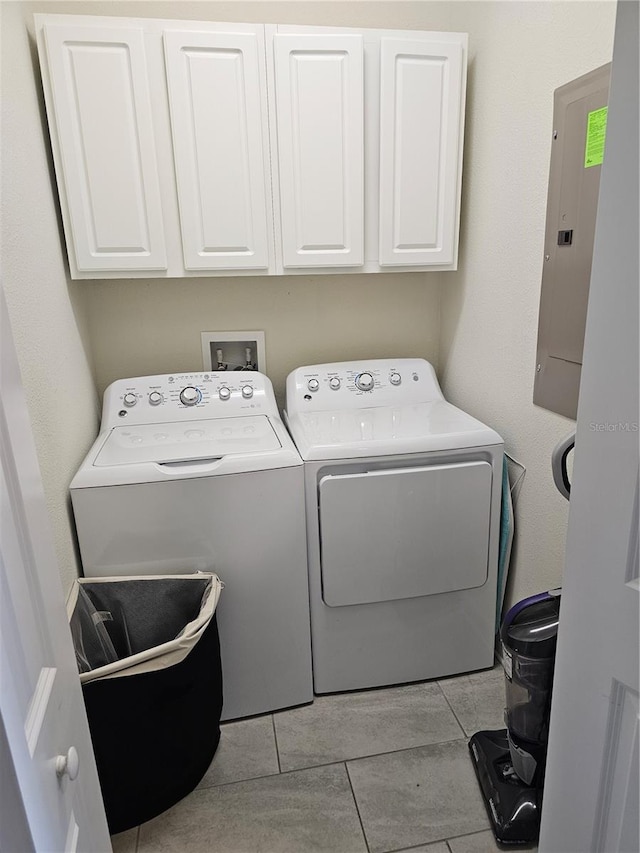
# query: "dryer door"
405,532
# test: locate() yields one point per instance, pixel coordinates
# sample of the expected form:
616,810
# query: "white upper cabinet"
187,148
319,100
420,97
106,162
217,96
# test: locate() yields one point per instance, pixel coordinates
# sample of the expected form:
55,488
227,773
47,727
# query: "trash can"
148,653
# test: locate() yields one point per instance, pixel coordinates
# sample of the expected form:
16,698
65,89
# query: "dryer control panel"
187,396
361,384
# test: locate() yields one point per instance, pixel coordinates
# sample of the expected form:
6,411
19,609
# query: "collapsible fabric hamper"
149,659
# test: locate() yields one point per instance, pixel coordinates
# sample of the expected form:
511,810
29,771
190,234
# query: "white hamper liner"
167,653
148,653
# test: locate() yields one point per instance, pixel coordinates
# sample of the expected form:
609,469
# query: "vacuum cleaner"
510,763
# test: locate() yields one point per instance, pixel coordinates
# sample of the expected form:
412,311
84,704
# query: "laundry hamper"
149,659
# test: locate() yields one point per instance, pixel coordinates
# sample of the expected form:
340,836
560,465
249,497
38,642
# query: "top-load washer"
403,495
196,472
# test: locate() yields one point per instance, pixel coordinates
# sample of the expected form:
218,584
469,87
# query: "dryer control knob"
155,398
129,399
364,382
247,392
395,379
224,393
190,395
334,383
313,385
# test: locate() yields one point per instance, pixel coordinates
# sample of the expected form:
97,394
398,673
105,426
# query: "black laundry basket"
149,658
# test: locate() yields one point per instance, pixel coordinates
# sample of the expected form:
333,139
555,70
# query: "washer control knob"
155,398
129,399
247,392
395,379
224,393
364,382
313,385
334,383
190,395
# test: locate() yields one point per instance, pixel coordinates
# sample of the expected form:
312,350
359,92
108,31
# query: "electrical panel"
579,132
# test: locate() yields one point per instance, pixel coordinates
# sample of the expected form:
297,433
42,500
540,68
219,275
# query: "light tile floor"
368,772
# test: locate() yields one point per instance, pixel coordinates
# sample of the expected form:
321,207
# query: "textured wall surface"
490,306
46,310
478,326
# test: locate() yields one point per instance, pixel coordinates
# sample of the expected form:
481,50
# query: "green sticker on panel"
596,133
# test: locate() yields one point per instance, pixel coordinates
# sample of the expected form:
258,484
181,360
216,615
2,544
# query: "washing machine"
196,472
403,496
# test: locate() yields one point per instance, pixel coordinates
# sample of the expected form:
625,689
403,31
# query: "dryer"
196,472
403,495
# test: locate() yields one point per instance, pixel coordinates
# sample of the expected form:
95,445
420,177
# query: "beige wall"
521,53
47,311
485,339
139,328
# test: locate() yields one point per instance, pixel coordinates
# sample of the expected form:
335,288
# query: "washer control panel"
188,396
361,384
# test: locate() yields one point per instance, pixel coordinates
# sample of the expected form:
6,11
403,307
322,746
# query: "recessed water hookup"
233,351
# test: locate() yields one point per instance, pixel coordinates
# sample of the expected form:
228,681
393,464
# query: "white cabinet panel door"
217,96
320,113
420,130
101,109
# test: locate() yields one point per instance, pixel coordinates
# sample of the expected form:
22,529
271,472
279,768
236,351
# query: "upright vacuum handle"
559,464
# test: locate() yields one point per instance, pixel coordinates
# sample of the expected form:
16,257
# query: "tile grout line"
402,749
201,787
417,846
275,739
451,708
137,844
332,763
478,832
425,844
355,802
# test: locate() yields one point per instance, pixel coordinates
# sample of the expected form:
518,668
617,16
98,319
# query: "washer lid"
187,441
388,430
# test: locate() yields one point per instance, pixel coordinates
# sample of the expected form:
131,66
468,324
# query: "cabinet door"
320,111
420,138
217,98
106,159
